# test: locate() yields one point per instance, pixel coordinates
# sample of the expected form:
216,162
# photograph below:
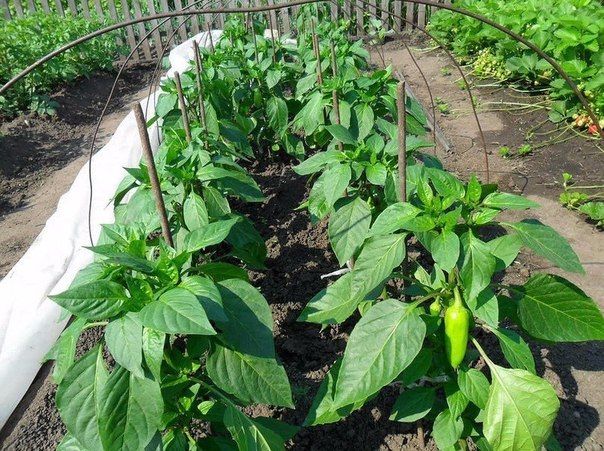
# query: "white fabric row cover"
29,321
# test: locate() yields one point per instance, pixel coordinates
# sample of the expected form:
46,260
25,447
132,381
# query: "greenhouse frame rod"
555,65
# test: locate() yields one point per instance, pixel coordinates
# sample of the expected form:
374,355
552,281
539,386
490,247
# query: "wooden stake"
336,113
155,186
255,42
402,132
317,51
270,24
199,67
334,60
209,30
183,107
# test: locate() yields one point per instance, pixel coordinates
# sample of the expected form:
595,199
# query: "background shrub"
25,40
571,31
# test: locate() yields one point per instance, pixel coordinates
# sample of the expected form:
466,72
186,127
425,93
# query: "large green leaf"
334,304
249,434
79,397
478,265
547,243
323,409
393,218
413,404
130,412
251,379
195,212
445,249
514,348
447,429
276,110
208,235
474,385
520,410
249,324
207,294
100,299
507,201
348,227
337,178
124,338
316,162
379,256
505,249
551,308
177,311
382,344
63,351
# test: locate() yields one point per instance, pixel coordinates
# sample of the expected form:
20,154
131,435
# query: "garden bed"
298,254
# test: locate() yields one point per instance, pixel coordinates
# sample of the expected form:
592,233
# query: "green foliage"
570,31
25,40
192,338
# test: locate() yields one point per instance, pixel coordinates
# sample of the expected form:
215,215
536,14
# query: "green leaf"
514,348
337,178
341,133
177,311
100,299
505,249
382,344
379,256
63,351
445,249
507,201
249,434
248,327
219,271
474,385
413,404
393,218
124,338
418,368
547,243
130,412
195,212
334,304
456,399
207,294
520,410
153,350
251,379
166,103
317,162
551,308
79,397
276,110
217,204
365,119
272,78
478,265
447,429
208,235
348,227
485,307
323,409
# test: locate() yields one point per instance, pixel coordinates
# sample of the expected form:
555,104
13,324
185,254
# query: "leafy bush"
571,31
25,40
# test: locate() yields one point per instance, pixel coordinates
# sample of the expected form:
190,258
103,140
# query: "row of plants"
570,31
24,40
190,339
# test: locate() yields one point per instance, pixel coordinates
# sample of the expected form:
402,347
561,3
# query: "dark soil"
32,147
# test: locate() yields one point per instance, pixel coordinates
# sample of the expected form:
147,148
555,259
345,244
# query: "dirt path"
576,371
40,157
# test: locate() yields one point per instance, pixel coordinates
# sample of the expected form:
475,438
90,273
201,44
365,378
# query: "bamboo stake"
209,29
155,186
183,107
317,51
402,145
199,67
255,42
270,24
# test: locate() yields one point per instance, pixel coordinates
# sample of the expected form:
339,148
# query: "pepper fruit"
435,308
457,322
